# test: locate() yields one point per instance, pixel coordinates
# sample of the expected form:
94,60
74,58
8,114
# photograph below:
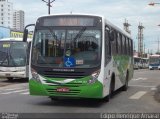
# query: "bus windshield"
154,60
77,47
137,60
13,53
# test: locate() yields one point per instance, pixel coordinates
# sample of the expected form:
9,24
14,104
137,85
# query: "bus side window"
131,47
130,50
107,47
116,43
127,50
123,45
120,44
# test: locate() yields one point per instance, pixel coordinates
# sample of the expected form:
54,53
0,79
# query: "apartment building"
18,20
6,14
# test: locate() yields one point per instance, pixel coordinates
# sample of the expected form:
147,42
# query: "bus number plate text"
63,89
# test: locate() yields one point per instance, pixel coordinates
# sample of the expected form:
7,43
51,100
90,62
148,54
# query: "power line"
158,41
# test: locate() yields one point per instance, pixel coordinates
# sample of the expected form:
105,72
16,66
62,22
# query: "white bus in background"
154,62
140,63
137,62
14,58
145,63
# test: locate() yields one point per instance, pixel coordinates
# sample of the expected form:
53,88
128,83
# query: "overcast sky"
116,11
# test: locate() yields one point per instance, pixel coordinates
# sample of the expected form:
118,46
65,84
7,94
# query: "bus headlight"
94,77
35,75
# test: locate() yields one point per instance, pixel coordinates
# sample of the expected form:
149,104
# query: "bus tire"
54,98
10,78
26,79
125,87
111,89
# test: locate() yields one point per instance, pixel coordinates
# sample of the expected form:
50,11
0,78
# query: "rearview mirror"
25,33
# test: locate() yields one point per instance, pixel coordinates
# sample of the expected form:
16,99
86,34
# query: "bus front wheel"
111,89
10,78
125,87
54,98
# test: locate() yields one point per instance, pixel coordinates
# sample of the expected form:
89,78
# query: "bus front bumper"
21,74
86,91
154,67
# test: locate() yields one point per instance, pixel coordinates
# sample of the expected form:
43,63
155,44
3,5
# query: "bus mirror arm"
25,34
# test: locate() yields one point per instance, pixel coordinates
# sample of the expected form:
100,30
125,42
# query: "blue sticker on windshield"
69,62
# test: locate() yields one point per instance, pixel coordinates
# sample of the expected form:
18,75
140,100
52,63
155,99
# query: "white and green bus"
79,56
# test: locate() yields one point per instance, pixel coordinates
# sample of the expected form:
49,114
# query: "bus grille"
56,74
50,83
70,93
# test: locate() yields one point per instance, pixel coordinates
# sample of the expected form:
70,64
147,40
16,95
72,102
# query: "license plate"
62,89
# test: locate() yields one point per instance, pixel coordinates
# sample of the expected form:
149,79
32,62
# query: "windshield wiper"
80,33
4,57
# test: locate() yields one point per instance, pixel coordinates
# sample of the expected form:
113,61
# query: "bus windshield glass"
77,47
154,60
13,53
137,60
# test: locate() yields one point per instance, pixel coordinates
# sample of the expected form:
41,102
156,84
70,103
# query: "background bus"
82,56
140,63
14,58
137,62
154,62
145,63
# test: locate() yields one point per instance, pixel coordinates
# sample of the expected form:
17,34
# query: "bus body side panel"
107,78
118,66
122,63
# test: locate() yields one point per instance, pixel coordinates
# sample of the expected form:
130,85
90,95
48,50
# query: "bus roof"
117,28
70,14
94,15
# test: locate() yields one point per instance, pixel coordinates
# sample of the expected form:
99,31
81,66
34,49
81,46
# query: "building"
19,34
18,20
6,13
4,32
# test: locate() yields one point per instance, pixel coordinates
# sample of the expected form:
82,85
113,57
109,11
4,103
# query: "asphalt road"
15,98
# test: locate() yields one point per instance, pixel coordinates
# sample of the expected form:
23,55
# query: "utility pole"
126,26
158,45
134,47
140,39
158,41
144,53
49,5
